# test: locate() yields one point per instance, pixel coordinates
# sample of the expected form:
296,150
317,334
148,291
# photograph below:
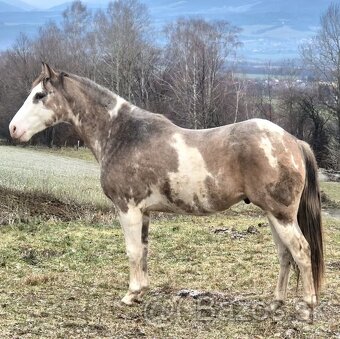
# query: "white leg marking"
291,236
284,259
132,224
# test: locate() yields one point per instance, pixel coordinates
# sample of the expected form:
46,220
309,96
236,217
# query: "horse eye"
39,96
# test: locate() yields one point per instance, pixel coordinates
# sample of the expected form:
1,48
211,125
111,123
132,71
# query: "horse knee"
134,256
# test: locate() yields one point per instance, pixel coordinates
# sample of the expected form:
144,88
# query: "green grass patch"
63,268
66,280
332,190
82,153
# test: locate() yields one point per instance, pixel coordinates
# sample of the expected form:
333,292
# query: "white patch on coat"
97,149
190,179
294,162
266,125
267,147
32,116
75,120
119,103
156,200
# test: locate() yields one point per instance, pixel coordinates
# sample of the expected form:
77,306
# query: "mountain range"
271,29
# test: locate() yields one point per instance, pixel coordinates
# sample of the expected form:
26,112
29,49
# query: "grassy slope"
71,152
56,172
62,279
66,279
332,189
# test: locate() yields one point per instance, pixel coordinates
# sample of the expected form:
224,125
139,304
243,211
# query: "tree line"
190,75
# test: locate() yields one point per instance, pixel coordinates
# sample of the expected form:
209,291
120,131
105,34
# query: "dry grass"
64,278
332,189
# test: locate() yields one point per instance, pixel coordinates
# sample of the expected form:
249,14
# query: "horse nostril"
13,130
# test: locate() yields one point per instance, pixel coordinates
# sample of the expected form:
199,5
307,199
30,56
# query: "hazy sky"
44,4
51,3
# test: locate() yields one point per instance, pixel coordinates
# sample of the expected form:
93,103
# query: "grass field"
63,273
61,173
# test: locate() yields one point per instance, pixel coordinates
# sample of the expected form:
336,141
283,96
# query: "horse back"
160,166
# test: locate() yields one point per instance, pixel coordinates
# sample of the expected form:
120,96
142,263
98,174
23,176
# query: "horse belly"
193,188
185,195
190,197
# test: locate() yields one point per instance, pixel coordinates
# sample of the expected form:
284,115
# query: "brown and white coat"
149,164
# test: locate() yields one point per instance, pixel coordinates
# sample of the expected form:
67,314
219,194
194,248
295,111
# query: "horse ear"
62,75
48,71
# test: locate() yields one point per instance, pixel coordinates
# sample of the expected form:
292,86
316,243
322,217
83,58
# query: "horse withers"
149,164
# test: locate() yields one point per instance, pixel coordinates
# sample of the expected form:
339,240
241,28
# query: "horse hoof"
133,297
275,305
128,299
305,313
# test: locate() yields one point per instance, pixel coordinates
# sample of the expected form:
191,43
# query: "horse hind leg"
285,260
292,237
135,226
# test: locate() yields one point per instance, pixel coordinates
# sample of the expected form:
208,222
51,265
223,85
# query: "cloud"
173,6
232,9
183,8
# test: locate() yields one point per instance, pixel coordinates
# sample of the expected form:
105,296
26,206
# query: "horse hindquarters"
301,237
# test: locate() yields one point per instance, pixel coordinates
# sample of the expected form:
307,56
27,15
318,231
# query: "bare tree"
314,125
50,45
195,58
127,53
76,26
322,55
289,94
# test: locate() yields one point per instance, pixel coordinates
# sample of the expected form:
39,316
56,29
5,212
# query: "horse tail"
309,215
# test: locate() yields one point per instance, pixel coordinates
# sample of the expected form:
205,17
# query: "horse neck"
94,111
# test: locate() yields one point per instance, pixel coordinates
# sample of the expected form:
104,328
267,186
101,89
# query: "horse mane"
101,94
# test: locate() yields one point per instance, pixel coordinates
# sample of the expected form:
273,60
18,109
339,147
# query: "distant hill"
271,29
5,7
20,4
60,7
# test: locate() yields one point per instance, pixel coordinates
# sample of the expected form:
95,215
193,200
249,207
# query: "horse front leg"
135,227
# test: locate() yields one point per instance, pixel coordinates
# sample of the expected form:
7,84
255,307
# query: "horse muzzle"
17,132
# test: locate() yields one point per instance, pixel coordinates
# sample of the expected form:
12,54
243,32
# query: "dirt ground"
24,207
63,271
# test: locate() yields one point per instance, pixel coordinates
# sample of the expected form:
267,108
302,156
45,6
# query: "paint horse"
149,164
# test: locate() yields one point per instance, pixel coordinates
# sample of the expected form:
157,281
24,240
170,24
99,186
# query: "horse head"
44,107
